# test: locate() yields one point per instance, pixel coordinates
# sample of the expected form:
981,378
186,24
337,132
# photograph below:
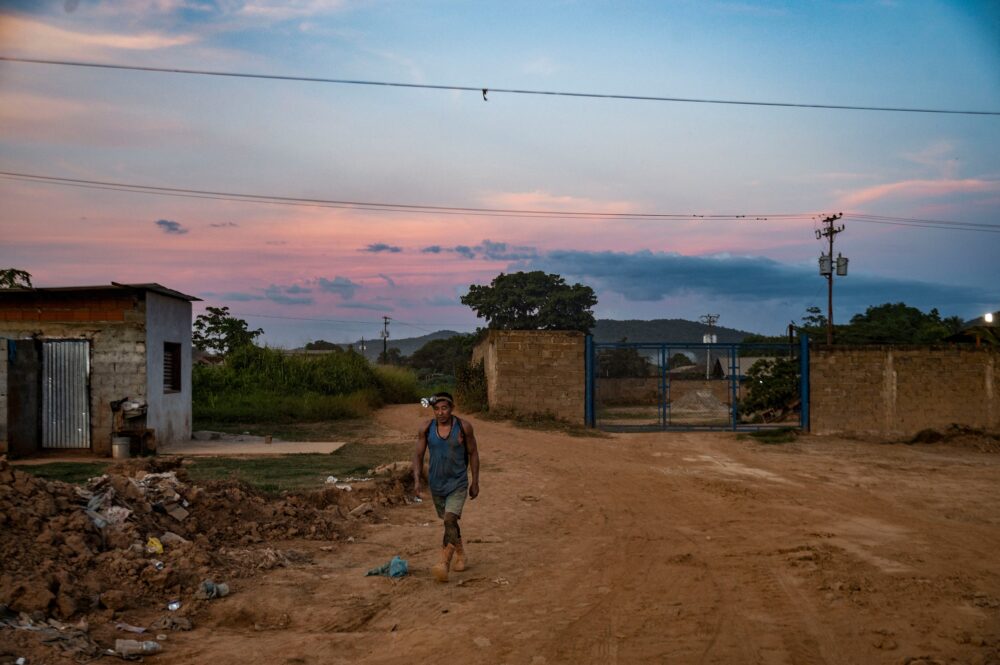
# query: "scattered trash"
343,486
363,509
417,499
210,589
161,637
21,661
396,567
171,538
130,648
501,581
330,480
154,546
130,628
173,623
159,565
174,605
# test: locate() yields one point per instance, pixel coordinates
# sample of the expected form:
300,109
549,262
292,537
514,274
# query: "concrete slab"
255,446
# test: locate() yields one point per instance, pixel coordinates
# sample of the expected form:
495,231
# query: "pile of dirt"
700,402
960,436
143,535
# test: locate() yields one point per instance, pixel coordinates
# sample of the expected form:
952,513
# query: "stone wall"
535,372
898,391
115,327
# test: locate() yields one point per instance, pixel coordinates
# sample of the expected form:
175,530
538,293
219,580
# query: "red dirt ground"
644,548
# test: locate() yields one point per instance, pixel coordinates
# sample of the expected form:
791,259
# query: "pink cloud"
25,35
917,189
541,200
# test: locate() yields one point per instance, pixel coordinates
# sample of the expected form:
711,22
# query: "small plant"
779,435
470,387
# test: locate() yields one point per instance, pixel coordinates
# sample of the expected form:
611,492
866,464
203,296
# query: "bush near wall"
260,384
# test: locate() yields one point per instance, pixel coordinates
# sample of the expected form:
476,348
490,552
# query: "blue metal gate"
688,386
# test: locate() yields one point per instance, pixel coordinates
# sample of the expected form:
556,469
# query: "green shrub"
470,387
269,406
260,384
397,385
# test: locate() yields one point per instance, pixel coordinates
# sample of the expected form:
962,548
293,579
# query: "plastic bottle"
129,648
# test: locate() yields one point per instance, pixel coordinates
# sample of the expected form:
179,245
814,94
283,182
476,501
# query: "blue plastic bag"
395,568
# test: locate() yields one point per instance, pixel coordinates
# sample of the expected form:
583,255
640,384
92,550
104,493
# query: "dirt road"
653,548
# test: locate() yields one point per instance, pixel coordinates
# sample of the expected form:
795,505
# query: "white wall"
168,320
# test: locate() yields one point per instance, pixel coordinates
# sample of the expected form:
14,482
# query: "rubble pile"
143,535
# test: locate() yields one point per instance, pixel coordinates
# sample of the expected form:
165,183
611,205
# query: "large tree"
218,331
894,323
533,301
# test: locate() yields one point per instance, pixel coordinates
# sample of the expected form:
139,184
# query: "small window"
171,367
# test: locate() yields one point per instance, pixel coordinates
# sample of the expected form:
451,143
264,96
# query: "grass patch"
298,472
68,472
270,407
773,436
639,413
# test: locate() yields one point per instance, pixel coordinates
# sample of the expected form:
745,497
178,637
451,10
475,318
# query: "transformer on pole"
827,265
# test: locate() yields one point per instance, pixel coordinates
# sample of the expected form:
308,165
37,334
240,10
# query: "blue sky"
303,273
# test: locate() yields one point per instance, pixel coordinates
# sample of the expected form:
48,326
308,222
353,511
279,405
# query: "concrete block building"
67,353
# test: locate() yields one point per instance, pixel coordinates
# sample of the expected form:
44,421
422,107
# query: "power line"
485,90
372,206
381,206
352,322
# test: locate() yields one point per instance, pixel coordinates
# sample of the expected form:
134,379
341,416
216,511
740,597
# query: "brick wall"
535,372
68,308
115,327
890,391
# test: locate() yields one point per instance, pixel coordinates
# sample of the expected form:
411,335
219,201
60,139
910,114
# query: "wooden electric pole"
826,268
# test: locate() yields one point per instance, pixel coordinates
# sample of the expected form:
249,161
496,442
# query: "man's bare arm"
473,448
418,460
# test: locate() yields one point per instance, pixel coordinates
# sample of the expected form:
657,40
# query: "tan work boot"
440,570
458,565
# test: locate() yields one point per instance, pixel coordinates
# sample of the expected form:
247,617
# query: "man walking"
453,449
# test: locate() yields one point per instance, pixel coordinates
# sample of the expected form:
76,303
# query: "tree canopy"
12,278
889,323
623,362
443,356
218,331
533,301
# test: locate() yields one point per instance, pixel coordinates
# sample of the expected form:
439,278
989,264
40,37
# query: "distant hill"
406,345
606,330
662,330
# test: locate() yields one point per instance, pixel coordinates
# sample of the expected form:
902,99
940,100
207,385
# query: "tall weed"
397,385
260,384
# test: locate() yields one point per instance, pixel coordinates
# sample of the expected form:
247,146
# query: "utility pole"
710,320
385,339
826,268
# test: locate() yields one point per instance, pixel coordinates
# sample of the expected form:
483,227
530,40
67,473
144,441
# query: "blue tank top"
449,460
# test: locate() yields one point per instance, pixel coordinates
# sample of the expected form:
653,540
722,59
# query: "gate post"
588,369
804,380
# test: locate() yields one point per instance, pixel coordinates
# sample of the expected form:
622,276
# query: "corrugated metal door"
66,394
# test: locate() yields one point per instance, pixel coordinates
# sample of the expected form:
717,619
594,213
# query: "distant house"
68,353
